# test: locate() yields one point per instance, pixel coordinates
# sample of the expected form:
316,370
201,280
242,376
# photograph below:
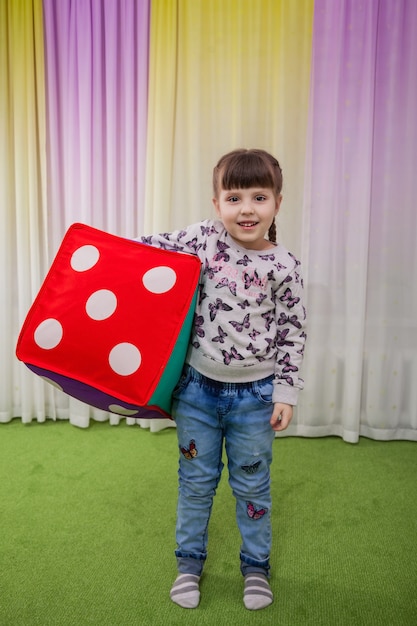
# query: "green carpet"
87,532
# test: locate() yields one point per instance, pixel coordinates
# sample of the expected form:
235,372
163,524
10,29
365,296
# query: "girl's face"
247,214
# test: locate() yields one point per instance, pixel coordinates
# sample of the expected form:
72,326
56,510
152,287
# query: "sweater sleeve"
189,240
291,336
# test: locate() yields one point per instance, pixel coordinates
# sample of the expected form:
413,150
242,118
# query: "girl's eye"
233,199
260,198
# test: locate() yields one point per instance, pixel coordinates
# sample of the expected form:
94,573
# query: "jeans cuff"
190,564
251,566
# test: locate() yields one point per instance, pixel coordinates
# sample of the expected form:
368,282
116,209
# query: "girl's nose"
247,207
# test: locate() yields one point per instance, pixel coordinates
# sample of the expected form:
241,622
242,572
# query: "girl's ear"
216,206
278,203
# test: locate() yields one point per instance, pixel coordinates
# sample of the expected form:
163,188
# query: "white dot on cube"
121,410
101,304
159,279
125,359
84,258
48,334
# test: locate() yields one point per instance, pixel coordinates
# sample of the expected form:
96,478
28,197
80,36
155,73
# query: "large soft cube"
111,323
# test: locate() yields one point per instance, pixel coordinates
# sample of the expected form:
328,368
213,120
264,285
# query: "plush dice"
111,323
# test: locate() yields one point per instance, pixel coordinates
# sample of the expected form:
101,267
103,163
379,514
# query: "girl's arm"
291,336
190,239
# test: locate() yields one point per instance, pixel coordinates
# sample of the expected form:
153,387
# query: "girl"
241,378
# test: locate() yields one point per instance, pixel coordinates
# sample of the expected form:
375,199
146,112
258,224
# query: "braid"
272,232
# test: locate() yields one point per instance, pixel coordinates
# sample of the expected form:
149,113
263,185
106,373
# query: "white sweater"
249,321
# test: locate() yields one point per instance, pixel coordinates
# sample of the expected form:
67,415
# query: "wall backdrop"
113,113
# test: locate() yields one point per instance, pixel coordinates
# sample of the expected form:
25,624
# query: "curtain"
96,55
361,362
114,114
23,231
74,89
225,74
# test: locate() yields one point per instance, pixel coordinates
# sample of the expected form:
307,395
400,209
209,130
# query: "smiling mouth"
247,224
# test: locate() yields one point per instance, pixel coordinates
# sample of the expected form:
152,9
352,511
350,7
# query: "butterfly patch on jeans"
252,467
255,513
190,452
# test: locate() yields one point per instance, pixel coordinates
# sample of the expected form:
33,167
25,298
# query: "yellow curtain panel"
22,119
22,169
225,74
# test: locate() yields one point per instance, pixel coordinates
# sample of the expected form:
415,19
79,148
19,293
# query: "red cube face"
112,321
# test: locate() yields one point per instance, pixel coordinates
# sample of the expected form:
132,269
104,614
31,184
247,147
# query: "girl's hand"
281,417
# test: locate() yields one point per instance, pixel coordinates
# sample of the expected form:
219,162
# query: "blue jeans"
207,413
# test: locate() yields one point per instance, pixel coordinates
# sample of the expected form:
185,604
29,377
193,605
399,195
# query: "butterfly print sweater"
250,319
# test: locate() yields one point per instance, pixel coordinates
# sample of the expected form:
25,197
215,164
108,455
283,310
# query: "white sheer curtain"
360,245
97,82
23,230
73,129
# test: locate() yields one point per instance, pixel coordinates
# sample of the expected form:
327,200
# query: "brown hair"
244,168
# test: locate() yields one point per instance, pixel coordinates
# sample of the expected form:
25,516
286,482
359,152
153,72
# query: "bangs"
243,169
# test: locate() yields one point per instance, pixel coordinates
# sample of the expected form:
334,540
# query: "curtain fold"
389,394
97,87
361,227
23,232
97,75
